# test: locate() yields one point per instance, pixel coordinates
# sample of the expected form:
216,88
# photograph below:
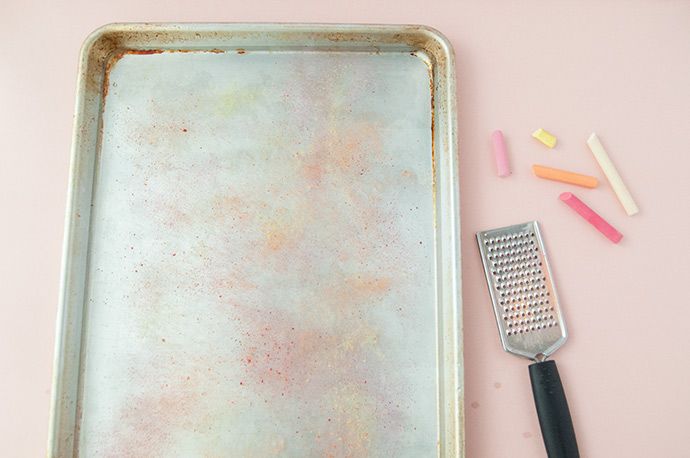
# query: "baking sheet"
262,253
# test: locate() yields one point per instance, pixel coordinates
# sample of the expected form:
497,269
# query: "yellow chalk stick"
544,137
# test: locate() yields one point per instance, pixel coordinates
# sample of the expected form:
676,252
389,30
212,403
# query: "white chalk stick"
612,175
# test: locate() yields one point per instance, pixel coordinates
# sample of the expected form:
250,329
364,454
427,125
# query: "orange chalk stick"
564,177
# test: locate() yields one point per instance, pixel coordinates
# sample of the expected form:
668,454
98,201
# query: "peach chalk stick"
564,177
589,214
612,175
500,153
544,137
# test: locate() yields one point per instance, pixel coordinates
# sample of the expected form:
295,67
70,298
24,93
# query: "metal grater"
524,297
530,323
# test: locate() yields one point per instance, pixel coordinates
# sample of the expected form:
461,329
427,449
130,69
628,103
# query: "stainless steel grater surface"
524,297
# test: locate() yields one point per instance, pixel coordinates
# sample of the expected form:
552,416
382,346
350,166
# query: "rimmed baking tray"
262,245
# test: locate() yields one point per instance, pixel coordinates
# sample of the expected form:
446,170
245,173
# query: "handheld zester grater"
530,322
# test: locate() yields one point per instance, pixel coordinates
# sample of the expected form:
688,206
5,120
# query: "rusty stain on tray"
116,39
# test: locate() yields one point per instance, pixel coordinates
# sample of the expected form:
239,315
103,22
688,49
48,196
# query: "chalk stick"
544,137
564,176
500,153
612,175
589,214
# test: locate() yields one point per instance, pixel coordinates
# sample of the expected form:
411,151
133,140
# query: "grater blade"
525,302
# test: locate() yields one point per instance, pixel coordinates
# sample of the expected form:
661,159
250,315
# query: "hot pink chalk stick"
500,153
589,214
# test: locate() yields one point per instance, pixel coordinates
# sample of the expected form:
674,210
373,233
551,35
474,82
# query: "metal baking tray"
262,245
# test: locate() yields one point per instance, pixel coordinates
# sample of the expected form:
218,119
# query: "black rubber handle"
552,409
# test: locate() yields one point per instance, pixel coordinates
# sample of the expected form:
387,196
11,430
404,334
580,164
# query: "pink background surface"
620,69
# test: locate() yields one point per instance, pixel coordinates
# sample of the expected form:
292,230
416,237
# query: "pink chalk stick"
500,153
589,214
